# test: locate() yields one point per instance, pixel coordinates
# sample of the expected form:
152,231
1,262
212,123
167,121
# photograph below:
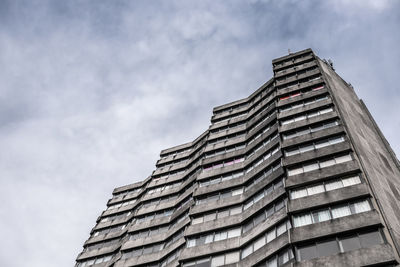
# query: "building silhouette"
296,174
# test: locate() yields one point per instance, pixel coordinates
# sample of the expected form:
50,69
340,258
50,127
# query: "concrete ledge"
381,254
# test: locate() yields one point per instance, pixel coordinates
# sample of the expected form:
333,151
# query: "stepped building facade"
296,174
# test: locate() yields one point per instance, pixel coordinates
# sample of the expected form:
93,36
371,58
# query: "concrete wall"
377,161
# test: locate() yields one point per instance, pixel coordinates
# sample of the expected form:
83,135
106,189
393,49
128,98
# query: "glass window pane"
203,263
259,243
312,190
232,257
327,163
234,232
236,210
327,248
248,226
209,217
222,214
248,205
259,196
295,171
333,185
278,184
344,158
191,243
270,211
351,181
362,206
147,250
209,238
321,144
279,205
302,132
301,220
237,192
300,118
226,195
221,236
271,235
281,229
336,140
268,190
307,252
341,211
217,261
247,251
311,167
291,152
272,262
283,258
197,220
370,239
321,215
350,243
298,193
306,148
259,218
200,240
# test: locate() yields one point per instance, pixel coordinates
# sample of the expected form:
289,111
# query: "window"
350,243
271,235
327,248
320,164
303,103
209,217
309,129
339,244
234,233
334,185
341,211
306,116
324,186
259,243
314,145
220,195
217,261
321,216
316,189
247,251
331,213
298,193
302,220
236,210
370,239
307,252
214,237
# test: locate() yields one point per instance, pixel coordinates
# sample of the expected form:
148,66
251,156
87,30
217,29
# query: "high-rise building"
296,174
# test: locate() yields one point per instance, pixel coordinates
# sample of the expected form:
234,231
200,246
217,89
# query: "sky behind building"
91,91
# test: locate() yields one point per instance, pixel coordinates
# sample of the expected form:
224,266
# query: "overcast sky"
91,91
